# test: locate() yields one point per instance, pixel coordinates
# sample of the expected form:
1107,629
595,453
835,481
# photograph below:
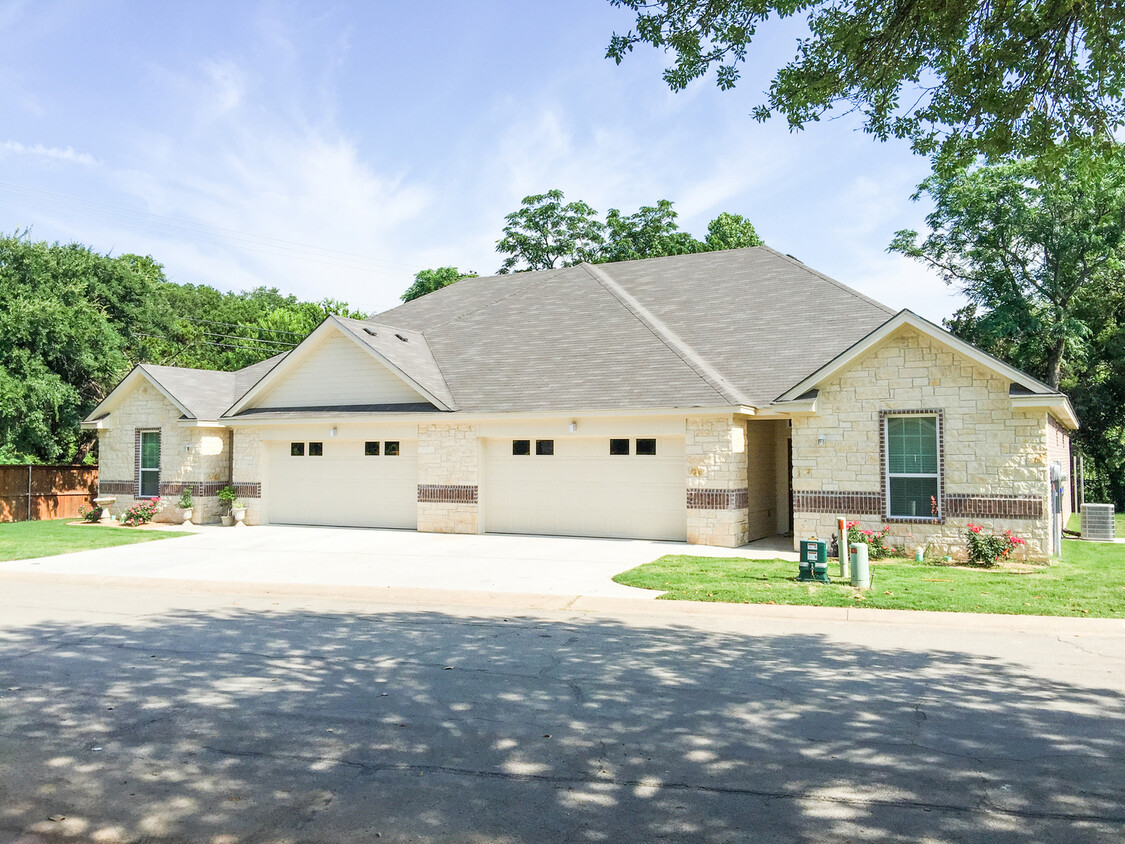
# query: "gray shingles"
206,393
684,331
559,340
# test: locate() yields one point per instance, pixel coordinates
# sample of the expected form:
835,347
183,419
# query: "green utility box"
814,560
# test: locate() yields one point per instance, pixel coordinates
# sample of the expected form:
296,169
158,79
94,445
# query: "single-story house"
715,398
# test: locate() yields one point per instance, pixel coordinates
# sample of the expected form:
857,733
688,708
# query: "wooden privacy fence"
45,492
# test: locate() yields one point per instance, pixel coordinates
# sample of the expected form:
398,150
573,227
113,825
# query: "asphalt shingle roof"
207,393
717,328
713,329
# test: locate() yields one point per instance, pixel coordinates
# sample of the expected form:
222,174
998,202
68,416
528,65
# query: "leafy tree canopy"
956,79
72,323
1035,251
427,281
1041,257
545,234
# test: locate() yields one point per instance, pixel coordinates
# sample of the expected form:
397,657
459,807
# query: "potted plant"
227,497
238,512
186,504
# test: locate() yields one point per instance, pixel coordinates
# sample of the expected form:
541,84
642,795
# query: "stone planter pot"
187,515
238,514
228,520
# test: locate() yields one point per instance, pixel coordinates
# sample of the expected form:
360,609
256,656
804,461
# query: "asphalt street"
174,713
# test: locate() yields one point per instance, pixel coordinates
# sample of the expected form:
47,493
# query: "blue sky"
334,149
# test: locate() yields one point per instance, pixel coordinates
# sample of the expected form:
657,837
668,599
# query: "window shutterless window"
618,446
390,448
371,449
149,470
316,449
913,472
296,449
521,446
544,446
646,446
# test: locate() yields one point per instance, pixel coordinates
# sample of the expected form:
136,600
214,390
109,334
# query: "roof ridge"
714,379
850,290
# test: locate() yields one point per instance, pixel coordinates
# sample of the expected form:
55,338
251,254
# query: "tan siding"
337,371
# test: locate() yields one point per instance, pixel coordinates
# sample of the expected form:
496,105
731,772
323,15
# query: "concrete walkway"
369,558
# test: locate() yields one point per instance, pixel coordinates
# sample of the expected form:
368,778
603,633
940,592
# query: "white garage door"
583,490
343,485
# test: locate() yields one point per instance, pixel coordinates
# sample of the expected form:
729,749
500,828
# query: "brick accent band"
957,505
842,503
994,506
246,489
447,493
717,499
116,487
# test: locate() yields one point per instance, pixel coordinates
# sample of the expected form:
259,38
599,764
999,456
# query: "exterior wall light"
820,439
573,427
332,431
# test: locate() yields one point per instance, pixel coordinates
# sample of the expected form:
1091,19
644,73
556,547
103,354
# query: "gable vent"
403,339
370,331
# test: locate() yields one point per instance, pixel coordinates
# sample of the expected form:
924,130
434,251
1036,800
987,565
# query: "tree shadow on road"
237,726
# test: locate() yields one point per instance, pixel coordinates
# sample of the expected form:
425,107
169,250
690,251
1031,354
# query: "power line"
243,325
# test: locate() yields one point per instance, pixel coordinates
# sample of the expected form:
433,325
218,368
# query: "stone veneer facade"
247,469
717,497
993,455
193,456
448,476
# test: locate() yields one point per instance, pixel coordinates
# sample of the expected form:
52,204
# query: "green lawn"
24,540
1088,581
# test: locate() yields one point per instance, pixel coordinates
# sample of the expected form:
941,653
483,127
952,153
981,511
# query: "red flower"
973,528
867,533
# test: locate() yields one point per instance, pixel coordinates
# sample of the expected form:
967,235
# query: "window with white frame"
149,469
913,468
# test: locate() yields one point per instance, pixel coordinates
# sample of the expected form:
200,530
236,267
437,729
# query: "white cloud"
52,153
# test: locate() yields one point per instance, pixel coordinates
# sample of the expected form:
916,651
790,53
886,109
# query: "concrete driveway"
361,557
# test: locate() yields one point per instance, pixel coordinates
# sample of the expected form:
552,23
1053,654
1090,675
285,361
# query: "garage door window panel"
521,448
646,446
545,447
390,448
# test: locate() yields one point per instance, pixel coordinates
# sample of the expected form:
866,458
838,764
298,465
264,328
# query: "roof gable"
1023,389
334,367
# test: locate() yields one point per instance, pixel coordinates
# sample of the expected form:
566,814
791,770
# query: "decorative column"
448,473
716,481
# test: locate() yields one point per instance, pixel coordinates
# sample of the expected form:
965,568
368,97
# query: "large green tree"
71,321
1036,250
427,281
650,232
546,233
1040,255
955,78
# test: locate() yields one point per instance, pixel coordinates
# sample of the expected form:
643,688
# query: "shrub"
227,496
141,513
988,549
876,541
185,501
89,514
